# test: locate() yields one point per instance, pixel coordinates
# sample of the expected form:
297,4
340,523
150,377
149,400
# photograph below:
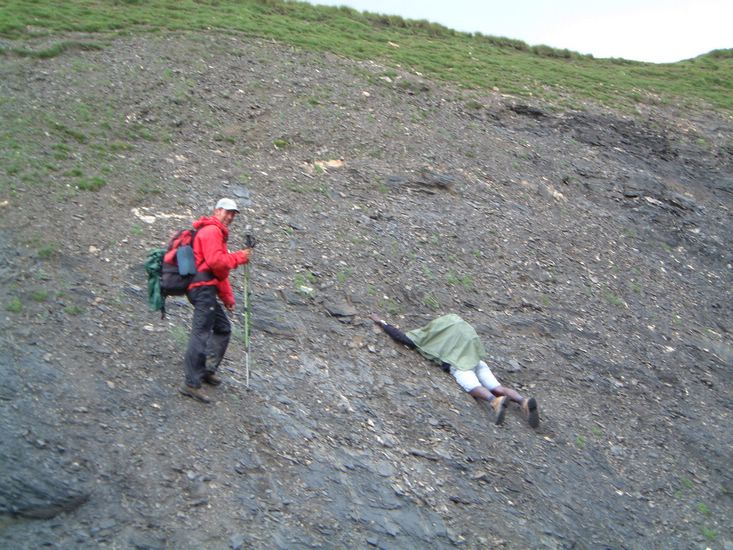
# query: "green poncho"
449,339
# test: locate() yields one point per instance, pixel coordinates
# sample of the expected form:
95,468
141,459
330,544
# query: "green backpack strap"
156,301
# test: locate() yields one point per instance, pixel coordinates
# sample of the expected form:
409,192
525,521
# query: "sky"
656,31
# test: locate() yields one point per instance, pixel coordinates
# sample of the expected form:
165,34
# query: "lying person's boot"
531,411
499,405
212,379
196,393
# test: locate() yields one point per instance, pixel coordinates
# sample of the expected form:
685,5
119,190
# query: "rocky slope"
590,249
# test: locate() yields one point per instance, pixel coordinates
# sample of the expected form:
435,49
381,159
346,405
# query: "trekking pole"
247,320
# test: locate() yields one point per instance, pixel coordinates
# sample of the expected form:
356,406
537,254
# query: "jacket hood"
203,221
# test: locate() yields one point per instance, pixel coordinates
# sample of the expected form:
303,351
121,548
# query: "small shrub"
304,279
14,305
118,145
709,534
580,442
431,301
94,183
343,276
613,299
72,310
64,130
40,295
47,251
453,279
74,173
391,306
61,151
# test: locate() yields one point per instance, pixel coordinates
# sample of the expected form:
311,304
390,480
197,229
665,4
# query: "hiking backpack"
171,270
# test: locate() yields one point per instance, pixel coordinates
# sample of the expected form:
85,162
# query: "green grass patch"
303,281
392,307
344,275
470,60
50,51
431,301
39,295
74,173
686,485
47,251
613,299
454,279
67,132
116,146
61,151
72,310
14,305
709,534
94,183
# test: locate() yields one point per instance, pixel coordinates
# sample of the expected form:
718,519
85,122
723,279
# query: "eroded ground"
590,249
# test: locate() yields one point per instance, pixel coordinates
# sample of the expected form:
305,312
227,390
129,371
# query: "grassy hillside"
470,60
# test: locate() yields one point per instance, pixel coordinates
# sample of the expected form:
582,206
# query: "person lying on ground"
453,343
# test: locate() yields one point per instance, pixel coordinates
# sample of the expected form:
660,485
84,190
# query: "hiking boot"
196,393
499,405
531,411
212,379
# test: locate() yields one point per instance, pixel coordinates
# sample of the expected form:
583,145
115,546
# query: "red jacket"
211,254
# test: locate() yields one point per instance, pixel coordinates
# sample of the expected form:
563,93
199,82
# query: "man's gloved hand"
250,241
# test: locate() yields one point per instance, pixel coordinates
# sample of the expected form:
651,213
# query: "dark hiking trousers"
210,332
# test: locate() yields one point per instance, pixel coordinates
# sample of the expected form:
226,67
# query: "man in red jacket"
210,328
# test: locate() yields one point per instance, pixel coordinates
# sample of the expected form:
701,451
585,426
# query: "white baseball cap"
227,204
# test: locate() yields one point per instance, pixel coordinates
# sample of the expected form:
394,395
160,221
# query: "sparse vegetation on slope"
589,248
470,60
